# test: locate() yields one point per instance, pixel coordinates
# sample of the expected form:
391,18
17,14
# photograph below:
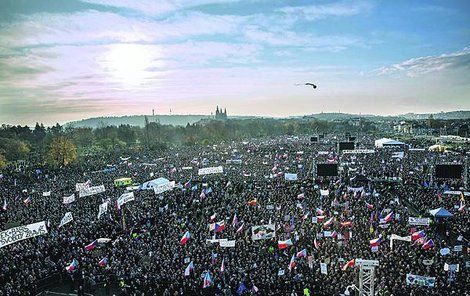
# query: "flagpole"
123,218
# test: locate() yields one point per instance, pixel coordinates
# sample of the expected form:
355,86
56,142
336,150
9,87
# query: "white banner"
164,187
91,190
186,168
398,154
397,237
69,199
356,189
263,231
418,221
323,268
80,186
215,240
290,177
66,219
419,280
20,233
125,198
466,193
103,209
210,170
359,151
227,244
47,193
324,192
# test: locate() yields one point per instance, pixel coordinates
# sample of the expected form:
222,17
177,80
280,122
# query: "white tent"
385,142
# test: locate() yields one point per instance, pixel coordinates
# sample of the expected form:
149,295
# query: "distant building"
219,115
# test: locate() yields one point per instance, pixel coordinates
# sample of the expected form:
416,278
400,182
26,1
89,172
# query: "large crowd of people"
170,243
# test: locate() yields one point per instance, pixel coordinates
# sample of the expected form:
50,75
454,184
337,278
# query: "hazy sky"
62,60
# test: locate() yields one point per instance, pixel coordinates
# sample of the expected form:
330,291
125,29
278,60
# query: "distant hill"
408,116
138,120
441,115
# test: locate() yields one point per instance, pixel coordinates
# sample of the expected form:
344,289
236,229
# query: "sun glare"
129,63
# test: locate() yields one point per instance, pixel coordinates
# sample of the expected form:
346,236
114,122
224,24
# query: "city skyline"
68,60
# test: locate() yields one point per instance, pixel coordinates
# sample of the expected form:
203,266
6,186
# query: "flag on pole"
235,220
316,244
240,229
349,264
72,266
185,238
428,245
188,269
291,263
301,196
213,258
27,201
103,262
418,234
375,242
462,206
302,254
213,216
207,280
253,202
369,206
346,224
320,212
92,245
222,266
388,218
328,222
284,244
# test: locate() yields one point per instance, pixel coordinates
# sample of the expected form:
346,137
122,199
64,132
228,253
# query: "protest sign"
418,280
263,231
210,170
102,209
227,244
323,268
397,237
125,198
80,186
87,191
324,192
69,199
418,221
20,233
164,187
290,177
66,219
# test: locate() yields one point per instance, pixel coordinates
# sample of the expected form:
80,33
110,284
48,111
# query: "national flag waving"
418,234
5,205
213,216
103,262
72,266
301,254
253,202
222,266
202,195
27,201
213,258
316,244
217,227
320,218
328,222
92,245
207,280
320,212
240,229
369,206
188,269
349,264
375,242
292,263
284,244
235,220
462,206
428,245
301,196
185,238
305,216
388,218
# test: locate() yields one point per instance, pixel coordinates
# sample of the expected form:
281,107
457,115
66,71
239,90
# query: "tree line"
61,145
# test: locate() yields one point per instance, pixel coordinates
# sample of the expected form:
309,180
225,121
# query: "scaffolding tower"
367,276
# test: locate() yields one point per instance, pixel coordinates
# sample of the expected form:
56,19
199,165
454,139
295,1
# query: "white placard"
103,209
20,233
324,268
125,198
164,187
227,244
290,177
418,221
69,199
66,219
210,170
87,191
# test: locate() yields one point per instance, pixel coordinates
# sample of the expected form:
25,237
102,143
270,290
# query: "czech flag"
92,245
188,269
213,216
346,224
375,242
462,207
222,266
217,227
320,218
418,234
428,245
302,254
369,206
207,280
202,195
103,262
5,205
349,264
27,201
328,222
185,238
291,263
388,218
235,220
320,212
316,244
72,266
253,202
284,244
301,196
240,229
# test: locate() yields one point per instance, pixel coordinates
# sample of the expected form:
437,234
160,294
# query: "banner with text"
210,170
263,231
20,233
164,187
91,190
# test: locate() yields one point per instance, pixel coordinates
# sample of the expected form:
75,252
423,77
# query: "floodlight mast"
366,276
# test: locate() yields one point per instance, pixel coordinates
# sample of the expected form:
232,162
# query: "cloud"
321,11
424,65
